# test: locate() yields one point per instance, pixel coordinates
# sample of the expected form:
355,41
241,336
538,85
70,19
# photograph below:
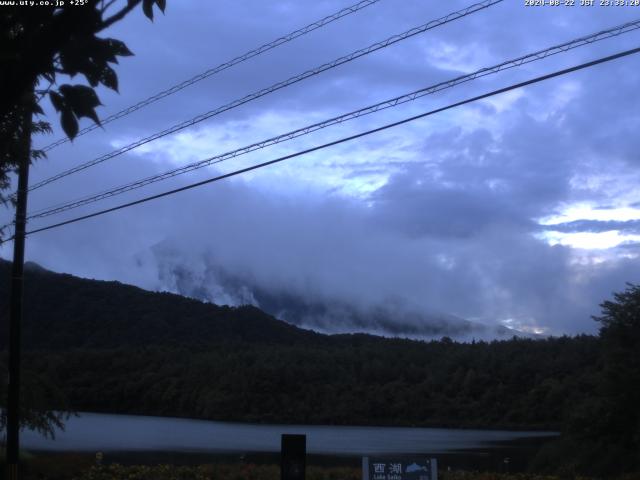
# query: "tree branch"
104,7
118,16
42,93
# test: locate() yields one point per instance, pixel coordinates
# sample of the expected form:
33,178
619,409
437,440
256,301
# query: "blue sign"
404,468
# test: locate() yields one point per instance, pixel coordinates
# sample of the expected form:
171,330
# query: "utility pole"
15,305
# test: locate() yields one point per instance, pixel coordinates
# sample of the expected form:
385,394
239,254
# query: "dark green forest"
354,380
107,347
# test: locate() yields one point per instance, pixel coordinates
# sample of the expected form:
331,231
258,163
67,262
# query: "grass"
78,466
272,472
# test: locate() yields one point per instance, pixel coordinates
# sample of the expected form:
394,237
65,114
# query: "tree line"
107,347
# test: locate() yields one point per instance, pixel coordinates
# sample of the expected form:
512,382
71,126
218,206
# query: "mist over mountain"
202,277
116,348
64,312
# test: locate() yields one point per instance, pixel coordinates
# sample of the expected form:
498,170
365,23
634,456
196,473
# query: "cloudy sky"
520,210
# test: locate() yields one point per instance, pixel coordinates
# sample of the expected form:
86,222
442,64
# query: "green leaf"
37,109
69,123
109,78
37,154
41,127
104,51
90,55
147,8
82,100
76,94
93,76
57,101
118,48
73,56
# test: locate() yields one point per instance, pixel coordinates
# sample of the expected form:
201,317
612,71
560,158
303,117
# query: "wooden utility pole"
15,305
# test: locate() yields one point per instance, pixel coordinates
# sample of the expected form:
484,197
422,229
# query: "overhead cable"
342,140
223,66
531,57
277,86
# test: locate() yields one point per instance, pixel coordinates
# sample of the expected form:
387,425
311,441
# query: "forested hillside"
108,347
116,348
351,380
64,312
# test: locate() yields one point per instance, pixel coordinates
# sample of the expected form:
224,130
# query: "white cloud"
589,211
446,55
441,211
589,240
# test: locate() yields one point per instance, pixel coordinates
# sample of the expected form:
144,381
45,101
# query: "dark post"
293,457
15,305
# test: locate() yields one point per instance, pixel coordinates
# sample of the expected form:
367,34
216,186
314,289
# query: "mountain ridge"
62,311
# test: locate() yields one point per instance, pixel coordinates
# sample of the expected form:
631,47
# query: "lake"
102,432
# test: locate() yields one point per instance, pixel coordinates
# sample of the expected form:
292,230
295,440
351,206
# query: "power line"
277,86
531,57
342,140
223,66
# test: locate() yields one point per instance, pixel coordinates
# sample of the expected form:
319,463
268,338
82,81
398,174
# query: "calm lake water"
94,432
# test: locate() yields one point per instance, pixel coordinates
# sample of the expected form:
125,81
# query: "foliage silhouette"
115,348
37,45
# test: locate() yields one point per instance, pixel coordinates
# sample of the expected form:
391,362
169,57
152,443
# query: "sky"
520,210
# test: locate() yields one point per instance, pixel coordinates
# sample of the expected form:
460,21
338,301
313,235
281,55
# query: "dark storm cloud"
471,181
596,226
630,247
329,251
451,229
